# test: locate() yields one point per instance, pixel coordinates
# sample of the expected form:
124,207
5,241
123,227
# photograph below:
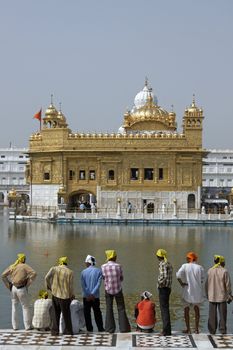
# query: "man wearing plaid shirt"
164,288
113,276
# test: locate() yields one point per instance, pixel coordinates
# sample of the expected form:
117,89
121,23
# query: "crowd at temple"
63,314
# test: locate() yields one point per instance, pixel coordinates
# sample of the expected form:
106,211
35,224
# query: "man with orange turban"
191,279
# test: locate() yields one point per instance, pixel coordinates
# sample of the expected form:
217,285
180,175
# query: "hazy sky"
93,56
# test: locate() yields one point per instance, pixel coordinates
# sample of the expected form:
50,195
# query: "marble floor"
35,340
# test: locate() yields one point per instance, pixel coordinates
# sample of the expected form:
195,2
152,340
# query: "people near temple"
91,278
164,284
59,280
77,317
130,207
42,312
113,277
145,313
17,278
191,278
218,292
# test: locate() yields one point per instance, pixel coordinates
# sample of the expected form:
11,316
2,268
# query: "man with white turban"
91,278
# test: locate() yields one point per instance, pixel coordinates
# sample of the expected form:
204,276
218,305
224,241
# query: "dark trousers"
164,294
214,309
110,325
58,306
95,305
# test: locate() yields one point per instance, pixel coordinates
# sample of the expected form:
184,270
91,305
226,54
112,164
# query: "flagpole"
40,117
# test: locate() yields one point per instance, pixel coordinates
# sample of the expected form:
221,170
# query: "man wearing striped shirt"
164,287
113,276
59,280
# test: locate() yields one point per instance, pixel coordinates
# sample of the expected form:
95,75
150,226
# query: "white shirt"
193,275
77,317
41,317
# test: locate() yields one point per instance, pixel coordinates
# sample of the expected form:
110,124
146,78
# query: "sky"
94,55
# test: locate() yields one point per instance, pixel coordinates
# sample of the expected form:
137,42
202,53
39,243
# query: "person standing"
59,280
191,278
218,292
164,288
17,278
91,278
113,276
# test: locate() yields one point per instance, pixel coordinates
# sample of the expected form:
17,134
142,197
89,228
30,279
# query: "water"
43,243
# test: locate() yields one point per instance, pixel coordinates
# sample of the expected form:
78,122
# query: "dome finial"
51,96
194,102
172,108
59,106
146,81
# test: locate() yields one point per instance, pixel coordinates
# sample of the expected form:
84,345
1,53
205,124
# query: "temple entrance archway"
81,200
191,202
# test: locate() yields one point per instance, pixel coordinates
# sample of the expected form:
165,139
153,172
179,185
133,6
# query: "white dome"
142,97
121,130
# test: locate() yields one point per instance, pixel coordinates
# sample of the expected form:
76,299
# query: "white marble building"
218,169
13,162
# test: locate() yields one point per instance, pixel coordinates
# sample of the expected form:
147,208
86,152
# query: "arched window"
111,175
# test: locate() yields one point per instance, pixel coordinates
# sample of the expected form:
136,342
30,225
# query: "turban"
63,260
161,253
110,254
192,256
20,260
90,259
43,294
146,295
221,260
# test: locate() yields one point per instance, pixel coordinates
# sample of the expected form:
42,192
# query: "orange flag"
38,115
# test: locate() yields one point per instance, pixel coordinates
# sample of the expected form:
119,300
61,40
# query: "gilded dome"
147,115
61,116
51,111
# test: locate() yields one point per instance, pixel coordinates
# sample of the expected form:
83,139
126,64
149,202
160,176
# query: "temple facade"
146,163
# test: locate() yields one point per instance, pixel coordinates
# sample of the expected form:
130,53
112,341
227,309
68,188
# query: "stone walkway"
10,340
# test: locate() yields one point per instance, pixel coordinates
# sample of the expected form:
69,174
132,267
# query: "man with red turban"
191,279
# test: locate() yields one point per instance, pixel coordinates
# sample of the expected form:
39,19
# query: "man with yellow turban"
164,287
191,278
59,280
113,276
218,291
42,311
17,278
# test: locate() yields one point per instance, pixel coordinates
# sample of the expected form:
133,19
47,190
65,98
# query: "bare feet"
186,331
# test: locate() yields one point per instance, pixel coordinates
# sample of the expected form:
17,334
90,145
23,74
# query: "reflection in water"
43,243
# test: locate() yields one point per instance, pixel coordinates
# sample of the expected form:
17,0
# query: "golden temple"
146,163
